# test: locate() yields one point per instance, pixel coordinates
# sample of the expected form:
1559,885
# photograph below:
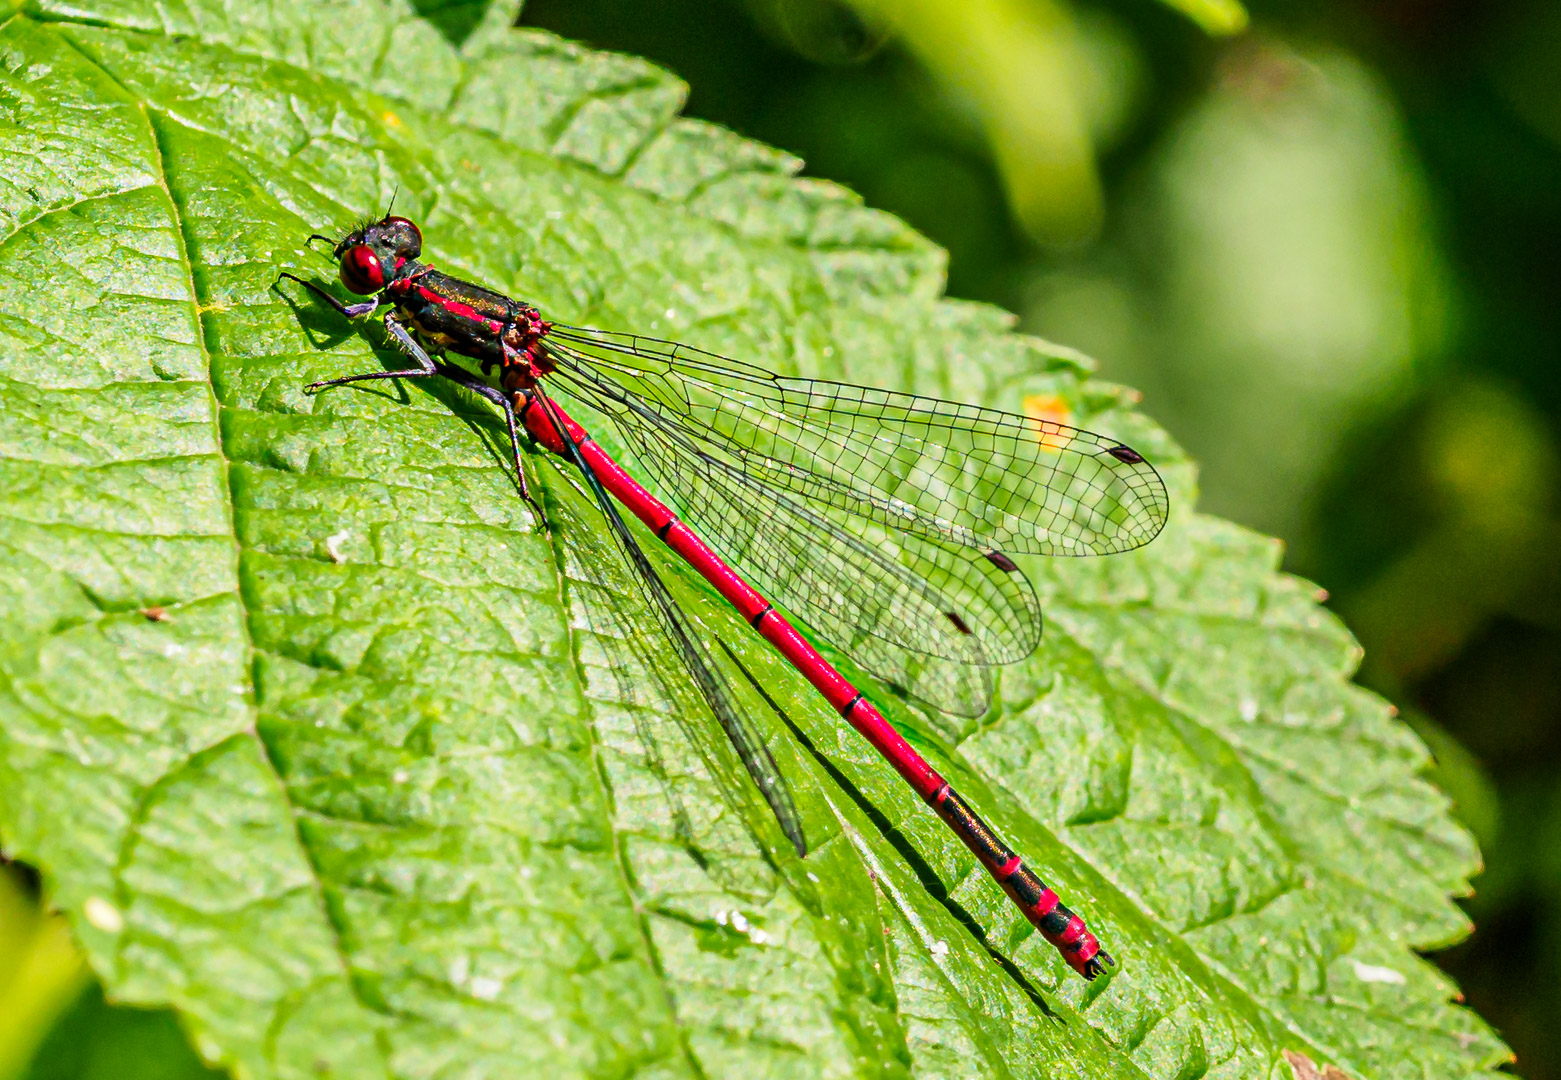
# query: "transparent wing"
937,469
707,677
924,614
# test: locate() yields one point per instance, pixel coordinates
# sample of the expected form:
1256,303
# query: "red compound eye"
410,237
361,271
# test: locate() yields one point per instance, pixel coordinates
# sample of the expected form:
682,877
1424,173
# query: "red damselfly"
884,520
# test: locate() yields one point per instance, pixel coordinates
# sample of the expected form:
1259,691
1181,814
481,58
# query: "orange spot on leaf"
1304,1068
1050,415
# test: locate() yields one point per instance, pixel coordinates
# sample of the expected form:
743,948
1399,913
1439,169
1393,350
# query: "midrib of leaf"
215,1044
317,886
141,816
208,301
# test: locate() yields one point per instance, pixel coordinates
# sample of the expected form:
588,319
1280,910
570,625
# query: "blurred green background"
1325,244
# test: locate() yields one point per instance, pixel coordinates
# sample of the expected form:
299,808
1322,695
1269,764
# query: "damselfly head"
372,254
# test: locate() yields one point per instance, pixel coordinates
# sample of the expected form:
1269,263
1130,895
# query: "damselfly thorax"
447,313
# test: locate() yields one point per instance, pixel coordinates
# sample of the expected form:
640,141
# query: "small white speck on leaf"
103,915
399,776
740,922
1248,709
940,949
485,989
333,546
1371,973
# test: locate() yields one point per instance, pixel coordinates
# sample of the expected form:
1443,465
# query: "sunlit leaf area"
319,758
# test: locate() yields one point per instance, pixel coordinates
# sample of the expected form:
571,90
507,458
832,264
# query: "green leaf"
1218,17
389,790
95,1041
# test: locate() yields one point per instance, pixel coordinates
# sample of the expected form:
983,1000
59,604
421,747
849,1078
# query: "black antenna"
392,205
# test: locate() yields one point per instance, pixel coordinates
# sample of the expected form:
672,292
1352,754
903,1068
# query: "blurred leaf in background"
1275,278
94,1040
1525,65
40,968
1483,465
1016,65
1046,93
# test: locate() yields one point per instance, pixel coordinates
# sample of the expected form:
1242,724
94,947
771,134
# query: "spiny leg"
425,368
351,311
462,377
425,363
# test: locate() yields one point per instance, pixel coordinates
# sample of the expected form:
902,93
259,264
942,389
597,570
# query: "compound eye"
361,271
412,237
